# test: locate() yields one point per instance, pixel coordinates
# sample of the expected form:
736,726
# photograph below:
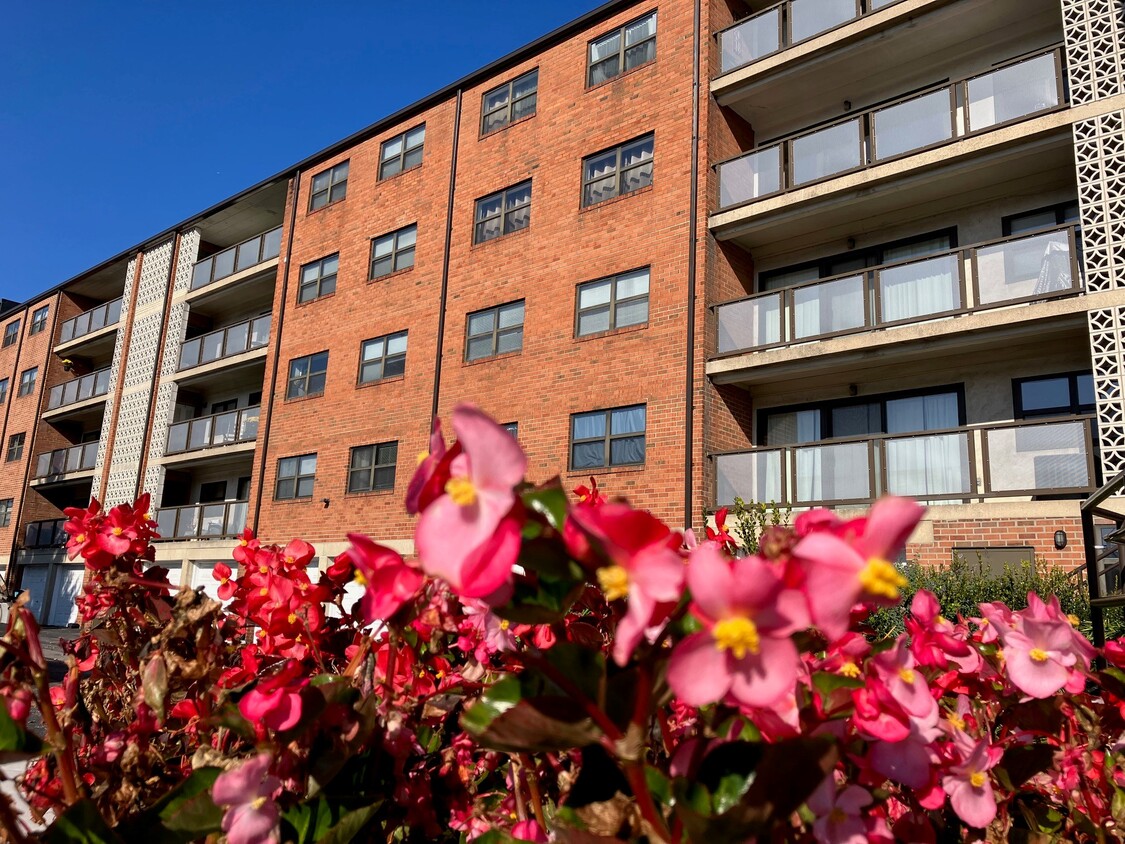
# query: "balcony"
203,521
976,463
237,259
66,461
89,386
937,117
91,321
236,426
1027,268
48,533
225,343
786,24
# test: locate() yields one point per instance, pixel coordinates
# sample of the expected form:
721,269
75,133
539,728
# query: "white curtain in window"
828,307
919,289
926,465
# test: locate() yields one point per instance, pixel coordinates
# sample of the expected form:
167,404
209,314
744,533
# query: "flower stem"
533,790
58,739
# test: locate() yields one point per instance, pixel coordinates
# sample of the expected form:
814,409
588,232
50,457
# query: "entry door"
67,588
34,582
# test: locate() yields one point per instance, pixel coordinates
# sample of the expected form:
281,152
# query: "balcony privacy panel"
750,40
827,152
836,472
829,307
750,176
1012,92
751,476
919,289
929,467
913,124
1018,269
810,17
1044,457
750,323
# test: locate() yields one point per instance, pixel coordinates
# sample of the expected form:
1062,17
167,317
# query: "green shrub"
962,585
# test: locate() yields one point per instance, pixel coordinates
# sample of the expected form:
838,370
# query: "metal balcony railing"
202,521
225,343
234,426
1023,268
237,258
79,389
90,321
62,461
47,533
955,465
786,24
1012,92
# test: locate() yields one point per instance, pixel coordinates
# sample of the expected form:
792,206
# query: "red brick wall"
1037,533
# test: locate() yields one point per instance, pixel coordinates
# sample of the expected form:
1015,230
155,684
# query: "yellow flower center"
956,721
292,618
148,516
243,543
906,675
882,579
117,531
263,569
422,455
263,591
941,619
257,803
837,816
462,491
614,581
505,624
80,538
1073,619
737,635
1038,655
850,669
977,779
359,578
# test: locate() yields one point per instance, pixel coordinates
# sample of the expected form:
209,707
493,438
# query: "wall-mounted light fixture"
1060,540
326,502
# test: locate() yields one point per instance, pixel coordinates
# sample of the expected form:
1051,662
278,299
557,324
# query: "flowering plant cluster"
555,669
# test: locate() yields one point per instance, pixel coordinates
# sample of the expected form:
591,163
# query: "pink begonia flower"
1040,658
970,788
423,489
912,760
745,650
276,701
840,815
490,633
847,562
645,567
934,640
895,668
528,831
469,535
252,816
389,581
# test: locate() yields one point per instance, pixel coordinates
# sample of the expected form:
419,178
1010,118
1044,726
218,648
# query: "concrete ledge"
70,345
230,281
215,365
67,409
65,477
207,453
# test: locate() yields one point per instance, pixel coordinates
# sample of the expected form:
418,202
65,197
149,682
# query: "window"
15,447
5,512
857,260
993,561
212,492
401,152
307,375
614,302
503,213
603,438
617,171
318,278
1071,393
393,252
1052,215
27,381
223,406
623,49
11,333
896,413
494,331
382,358
3,389
295,477
512,428
329,186
38,320
372,467
510,102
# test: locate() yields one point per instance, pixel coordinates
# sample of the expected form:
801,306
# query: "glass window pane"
826,152
305,487
385,477
480,347
633,312
489,206
362,457
320,181
627,420
412,158
524,107
510,341
359,481
1086,389
640,30
1012,92
396,344
913,124
285,487
224,264
591,322
809,17
415,137
482,323
394,366
525,84
511,315
316,383
594,294
1045,393
340,172
632,284
308,464
604,47
407,237
587,455
626,451
392,148
495,100
518,196
587,425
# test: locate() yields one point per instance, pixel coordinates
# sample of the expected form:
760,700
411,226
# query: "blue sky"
119,118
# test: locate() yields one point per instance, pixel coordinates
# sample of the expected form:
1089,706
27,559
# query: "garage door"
67,588
34,582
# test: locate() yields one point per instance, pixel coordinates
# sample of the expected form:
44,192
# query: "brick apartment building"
807,252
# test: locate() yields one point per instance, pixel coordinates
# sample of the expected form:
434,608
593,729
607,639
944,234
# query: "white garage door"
202,574
67,588
34,582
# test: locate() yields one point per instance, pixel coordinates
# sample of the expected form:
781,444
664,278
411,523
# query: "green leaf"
826,682
186,813
350,825
16,744
80,824
582,666
1023,762
515,715
550,502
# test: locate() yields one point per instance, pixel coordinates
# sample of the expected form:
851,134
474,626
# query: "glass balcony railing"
90,321
237,258
48,533
235,426
1013,92
79,389
1024,268
225,343
787,24
62,461
202,521
961,464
